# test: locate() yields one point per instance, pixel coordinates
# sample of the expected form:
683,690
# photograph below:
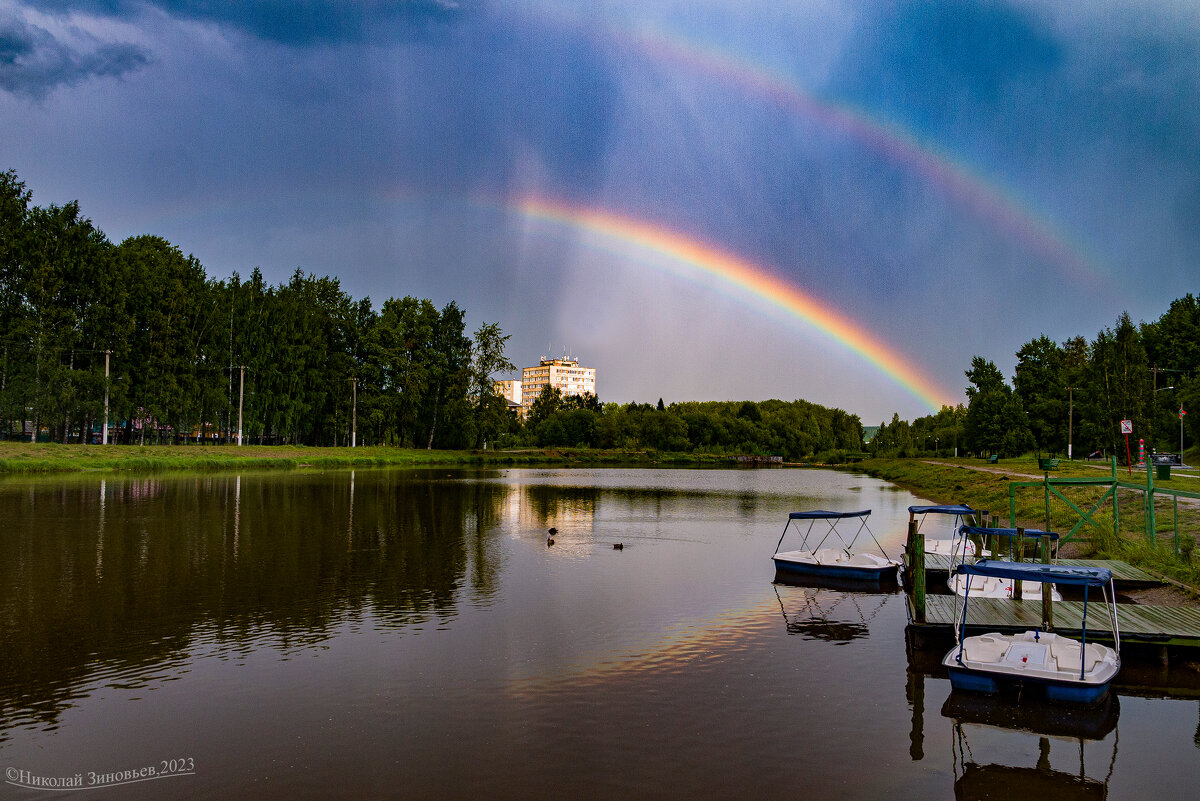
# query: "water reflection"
1063,735
381,634
832,615
124,577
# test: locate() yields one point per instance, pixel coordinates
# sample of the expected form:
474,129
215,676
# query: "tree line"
183,356
179,354
794,430
1075,393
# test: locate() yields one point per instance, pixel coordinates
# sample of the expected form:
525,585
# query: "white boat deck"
1037,655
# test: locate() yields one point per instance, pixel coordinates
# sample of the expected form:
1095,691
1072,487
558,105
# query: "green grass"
27,458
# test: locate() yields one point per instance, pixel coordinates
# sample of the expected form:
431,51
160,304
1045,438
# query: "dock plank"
1137,621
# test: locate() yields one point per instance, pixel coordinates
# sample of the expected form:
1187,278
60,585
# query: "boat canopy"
1037,571
832,519
952,509
821,514
1006,532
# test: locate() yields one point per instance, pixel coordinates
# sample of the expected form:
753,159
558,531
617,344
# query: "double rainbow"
742,275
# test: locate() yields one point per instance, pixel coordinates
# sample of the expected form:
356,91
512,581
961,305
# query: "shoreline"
28,459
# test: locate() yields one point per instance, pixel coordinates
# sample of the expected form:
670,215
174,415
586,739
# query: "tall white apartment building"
564,373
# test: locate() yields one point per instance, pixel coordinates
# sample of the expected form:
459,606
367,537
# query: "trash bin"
1162,472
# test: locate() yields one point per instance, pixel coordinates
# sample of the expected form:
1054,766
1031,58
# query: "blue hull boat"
1069,671
833,563
878,574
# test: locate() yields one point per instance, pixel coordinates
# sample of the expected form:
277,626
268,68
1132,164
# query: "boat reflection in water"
985,725
820,609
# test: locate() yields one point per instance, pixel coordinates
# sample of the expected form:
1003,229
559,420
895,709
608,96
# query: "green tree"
548,402
14,211
487,359
1119,385
1038,382
995,420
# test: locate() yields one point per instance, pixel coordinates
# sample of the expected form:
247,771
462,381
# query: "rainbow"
983,198
735,272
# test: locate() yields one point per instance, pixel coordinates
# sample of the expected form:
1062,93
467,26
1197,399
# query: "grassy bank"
26,458
962,481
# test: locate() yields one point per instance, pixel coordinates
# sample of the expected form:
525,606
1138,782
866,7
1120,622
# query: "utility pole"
104,434
241,394
354,415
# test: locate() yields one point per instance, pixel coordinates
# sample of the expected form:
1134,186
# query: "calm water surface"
386,634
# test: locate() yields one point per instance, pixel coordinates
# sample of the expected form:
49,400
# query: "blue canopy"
952,509
1036,571
1005,532
821,514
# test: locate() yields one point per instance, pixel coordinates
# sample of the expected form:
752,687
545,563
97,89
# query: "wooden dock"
1125,575
1159,625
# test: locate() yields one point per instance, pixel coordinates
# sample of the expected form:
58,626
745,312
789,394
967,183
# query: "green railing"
1111,484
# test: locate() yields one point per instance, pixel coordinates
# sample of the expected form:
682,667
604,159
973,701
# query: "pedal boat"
1070,671
840,563
987,586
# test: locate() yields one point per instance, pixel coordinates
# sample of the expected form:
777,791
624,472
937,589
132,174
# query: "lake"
411,634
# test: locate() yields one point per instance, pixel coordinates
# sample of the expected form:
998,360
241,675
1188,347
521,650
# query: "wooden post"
1017,553
1047,595
916,550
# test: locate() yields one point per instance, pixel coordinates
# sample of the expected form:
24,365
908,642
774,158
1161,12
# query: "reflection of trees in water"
91,586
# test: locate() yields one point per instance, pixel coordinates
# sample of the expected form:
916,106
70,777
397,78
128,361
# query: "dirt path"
981,469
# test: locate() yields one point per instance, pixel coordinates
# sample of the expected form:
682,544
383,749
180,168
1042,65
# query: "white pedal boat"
832,563
1073,671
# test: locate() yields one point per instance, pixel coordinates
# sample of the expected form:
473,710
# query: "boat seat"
829,556
1066,654
867,560
985,647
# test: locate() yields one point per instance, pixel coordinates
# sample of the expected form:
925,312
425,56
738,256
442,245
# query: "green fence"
1109,487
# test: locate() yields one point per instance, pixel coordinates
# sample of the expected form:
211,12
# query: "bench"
1048,464
995,457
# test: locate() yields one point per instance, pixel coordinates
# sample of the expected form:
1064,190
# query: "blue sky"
957,178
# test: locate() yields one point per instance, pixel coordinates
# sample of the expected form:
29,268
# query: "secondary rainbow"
743,275
984,198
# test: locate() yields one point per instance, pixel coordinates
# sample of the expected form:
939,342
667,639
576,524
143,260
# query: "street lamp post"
1163,389
1070,419
241,395
354,414
1181,422
104,435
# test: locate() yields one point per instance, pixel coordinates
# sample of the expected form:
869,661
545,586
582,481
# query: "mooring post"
1018,552
917,550
1047,594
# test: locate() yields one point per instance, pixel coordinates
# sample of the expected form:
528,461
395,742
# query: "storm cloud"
33,62
305,22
